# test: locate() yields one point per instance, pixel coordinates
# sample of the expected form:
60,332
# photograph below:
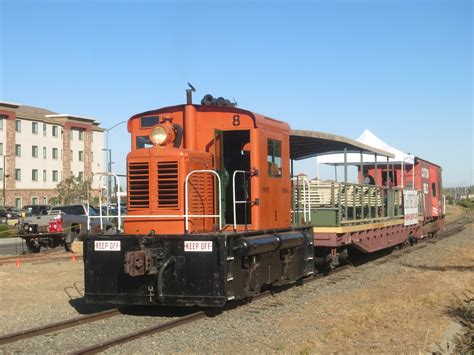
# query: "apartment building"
39,148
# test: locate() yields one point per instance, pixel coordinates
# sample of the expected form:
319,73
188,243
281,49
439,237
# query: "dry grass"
405,313
454,212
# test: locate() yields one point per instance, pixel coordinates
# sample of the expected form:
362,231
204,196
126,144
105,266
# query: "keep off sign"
107,245
197,246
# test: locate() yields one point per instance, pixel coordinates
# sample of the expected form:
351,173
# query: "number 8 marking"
236,120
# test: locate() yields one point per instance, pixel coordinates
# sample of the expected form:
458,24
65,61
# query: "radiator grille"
167,184
139,192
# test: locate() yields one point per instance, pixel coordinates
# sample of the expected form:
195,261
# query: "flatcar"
215,213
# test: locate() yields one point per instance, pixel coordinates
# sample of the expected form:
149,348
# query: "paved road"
12,246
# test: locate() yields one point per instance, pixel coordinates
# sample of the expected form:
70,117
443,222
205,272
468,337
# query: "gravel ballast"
397,305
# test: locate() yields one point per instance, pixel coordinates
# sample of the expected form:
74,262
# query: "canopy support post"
346,210
402,171
376,171
345,165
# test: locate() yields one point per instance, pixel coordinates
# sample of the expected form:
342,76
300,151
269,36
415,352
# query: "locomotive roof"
258,119
307,144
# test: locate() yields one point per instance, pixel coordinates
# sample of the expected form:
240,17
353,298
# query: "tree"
71,190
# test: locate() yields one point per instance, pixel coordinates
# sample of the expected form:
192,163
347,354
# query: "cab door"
221,171
434,191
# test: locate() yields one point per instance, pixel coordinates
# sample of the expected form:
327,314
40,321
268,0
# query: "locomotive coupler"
146,261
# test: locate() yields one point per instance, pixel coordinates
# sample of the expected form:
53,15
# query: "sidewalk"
13,240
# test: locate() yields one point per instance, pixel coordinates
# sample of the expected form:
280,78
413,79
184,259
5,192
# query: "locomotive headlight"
158,135
162,134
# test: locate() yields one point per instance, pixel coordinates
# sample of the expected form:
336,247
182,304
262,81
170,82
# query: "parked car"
36,210
61,226
9,215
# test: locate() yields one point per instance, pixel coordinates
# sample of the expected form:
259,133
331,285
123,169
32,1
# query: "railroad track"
451,229
58,326
46,256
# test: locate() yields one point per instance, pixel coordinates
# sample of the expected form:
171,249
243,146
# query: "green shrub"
5,231
466,204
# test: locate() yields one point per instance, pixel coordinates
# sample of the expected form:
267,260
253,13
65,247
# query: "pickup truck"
61,226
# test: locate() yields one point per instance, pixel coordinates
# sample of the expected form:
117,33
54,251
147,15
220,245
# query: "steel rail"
39,260
45,329
30,256
94,349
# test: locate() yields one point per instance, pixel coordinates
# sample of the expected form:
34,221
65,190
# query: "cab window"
150,121
274,158
143,142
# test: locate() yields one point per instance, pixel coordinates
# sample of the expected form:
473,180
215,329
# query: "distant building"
40,148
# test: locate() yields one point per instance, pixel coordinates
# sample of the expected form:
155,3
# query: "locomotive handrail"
234,202
306,197
101,216
186,194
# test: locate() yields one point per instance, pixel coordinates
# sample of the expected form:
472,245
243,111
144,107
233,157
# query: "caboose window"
143,142
150,121
433,189
274,158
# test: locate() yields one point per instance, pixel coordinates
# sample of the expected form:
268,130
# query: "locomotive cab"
174,184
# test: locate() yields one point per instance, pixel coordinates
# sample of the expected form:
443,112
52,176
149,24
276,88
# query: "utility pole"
109,161
4,178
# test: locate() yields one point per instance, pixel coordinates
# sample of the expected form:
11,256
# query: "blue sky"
403,69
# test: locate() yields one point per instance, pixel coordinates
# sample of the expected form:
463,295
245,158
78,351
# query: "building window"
1,174
1,123
55,175
34,200
18,202
45,153
34,174
18,125
81,155
34,151
18,150
34,127
18,174
274,158
55,153
44,175
1,148
55,131
81,135
44,129
81,175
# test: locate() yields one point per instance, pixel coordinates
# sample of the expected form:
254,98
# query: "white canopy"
370,139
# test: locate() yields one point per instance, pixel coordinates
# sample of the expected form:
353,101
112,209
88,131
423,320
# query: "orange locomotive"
214,213
209,219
